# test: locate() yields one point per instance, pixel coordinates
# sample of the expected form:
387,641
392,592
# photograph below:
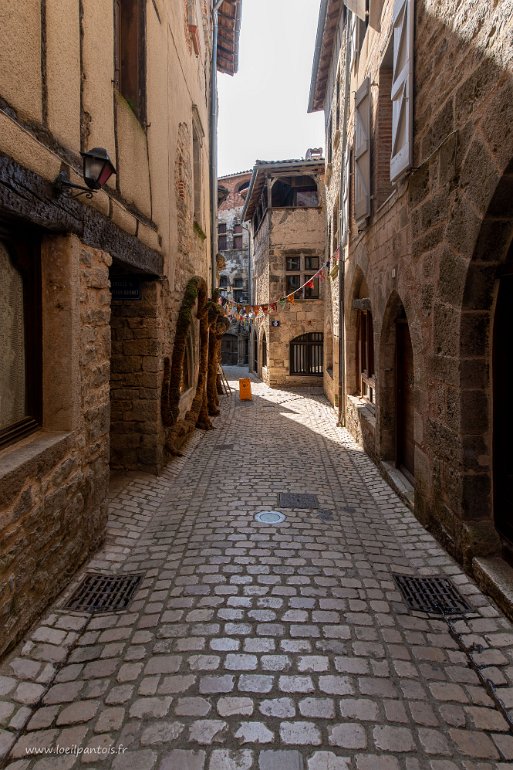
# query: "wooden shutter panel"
375,8
402,89
344,212
354,40
362,153
358,7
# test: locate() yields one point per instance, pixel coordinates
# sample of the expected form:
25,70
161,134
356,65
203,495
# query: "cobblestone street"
250,646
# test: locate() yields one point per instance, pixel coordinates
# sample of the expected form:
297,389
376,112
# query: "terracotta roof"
237,173
329,15
228,36
259,177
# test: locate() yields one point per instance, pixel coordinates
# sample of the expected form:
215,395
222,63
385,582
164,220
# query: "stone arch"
492,254
359,289
263,350
387,385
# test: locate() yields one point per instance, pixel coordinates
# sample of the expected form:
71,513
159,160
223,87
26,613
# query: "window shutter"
375,8
344,213
402,89
354,40
358,7
362,153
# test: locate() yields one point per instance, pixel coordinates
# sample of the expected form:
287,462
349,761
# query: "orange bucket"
245,389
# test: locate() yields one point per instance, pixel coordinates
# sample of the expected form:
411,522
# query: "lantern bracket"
63,185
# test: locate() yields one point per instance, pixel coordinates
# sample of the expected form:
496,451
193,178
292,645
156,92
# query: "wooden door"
229,350
405,445
502,411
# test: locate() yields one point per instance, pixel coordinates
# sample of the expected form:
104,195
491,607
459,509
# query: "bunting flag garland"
246,313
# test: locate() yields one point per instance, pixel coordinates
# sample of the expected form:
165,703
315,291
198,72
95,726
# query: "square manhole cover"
296,500
223,447
104,593
435,595
325,515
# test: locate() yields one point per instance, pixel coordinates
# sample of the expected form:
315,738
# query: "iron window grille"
306,355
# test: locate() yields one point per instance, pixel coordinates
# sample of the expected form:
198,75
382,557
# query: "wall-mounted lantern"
97,170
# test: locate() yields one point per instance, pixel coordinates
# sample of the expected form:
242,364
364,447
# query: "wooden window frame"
130,72
25,253
365,357
198,135
304,274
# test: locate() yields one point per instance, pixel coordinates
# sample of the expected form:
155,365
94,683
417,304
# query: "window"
383,133
237,237
130,54
365,355
362,154
298,191
299,271
20,338
197,141
306,354
243,189
223,281
329,139
221,232
238,283
335,218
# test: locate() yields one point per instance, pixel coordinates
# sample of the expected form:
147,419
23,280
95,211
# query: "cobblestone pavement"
284,647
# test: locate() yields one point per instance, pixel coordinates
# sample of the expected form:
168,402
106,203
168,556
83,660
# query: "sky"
263,108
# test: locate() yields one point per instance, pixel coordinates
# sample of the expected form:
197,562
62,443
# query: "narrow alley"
254,646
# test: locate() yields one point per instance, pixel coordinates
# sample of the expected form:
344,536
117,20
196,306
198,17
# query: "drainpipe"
213,142
342,266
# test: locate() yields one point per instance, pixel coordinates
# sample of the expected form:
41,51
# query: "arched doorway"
254,357
486,418
404,378
397,378
502,412
229,350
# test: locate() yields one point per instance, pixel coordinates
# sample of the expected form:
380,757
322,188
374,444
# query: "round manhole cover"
270,517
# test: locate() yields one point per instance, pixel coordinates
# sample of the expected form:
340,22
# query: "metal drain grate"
104,593
325,515
292,500
435,595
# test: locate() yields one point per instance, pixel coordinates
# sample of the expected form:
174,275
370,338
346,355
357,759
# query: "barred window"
306,354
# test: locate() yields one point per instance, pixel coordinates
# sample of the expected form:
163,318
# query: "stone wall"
135,382
53,484
432,250
235,271
282,233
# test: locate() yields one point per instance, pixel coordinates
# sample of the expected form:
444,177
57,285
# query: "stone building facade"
90,287
234,275
285,207
418,102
